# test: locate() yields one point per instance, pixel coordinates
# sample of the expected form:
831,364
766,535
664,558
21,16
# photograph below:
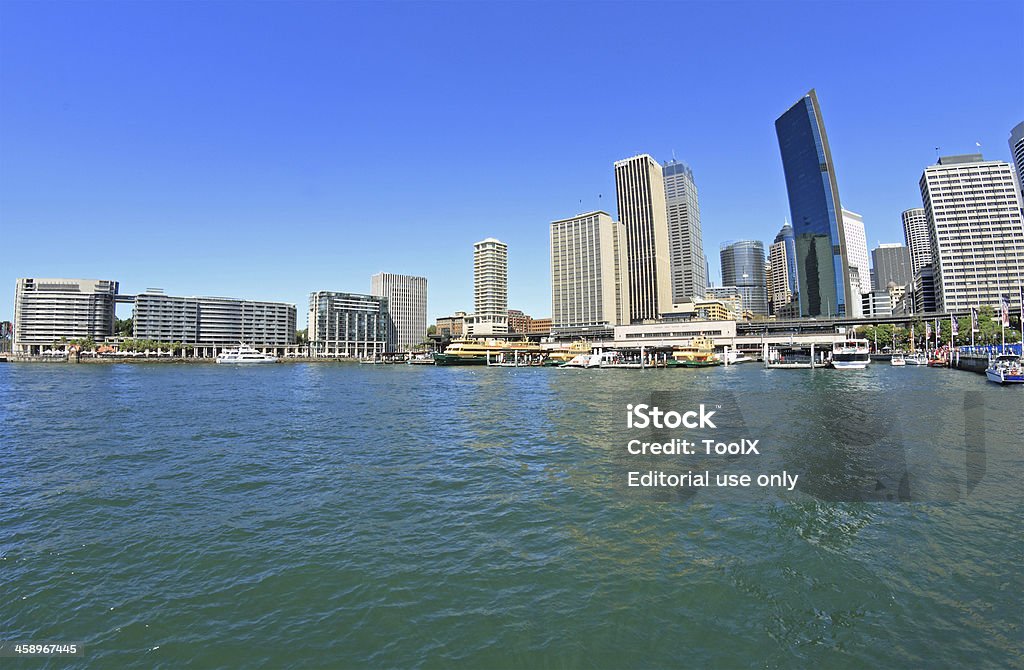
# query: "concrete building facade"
589,274
208,320
974,217
49,310
640,191
918,238
490,289
857,259
1017,151
892,265
407,308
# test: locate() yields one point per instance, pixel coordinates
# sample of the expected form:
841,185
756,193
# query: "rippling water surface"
397,516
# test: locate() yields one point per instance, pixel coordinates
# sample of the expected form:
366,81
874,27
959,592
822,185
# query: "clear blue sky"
266,150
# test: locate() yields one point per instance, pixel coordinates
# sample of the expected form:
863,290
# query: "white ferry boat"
244,355
851,355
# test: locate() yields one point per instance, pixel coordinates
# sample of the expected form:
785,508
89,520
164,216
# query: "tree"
123,327
432,330
302,336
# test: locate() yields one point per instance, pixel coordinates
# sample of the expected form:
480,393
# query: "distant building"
347,324
780,292
685,241
821,257
892,265
977,232
918,237
1017,151
451,326
730,297
589,278
407,307
924,290
857,258
490,289
216,321
518,322
876,303
640,189
48,310
540,326
743,267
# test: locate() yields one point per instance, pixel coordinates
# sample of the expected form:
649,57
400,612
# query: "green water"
411,516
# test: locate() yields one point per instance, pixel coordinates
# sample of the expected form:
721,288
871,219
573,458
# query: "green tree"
302,336
432,330
123,327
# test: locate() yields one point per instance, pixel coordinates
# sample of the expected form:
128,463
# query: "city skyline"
215,185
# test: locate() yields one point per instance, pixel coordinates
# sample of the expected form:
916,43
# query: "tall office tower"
780,292
1017,151
407,308
786,235
857,260
490,288
822,269
743,267
974,214
48,310
685,244
589,280
918,237
347,324
892,266
640,190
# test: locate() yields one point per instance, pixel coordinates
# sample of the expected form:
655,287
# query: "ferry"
244,355
699,354
851,355
1006,369
562,355
475,352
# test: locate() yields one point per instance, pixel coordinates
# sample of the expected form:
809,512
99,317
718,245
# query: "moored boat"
851,354
897,360
244,355
916,359
700,353
1006,369
475,352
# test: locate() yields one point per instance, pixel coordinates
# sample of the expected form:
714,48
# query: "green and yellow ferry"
699,354
475,352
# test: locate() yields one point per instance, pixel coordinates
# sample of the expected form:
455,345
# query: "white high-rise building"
1017,151
49,310
407,307
640,190
857,259
685,242
589,282
780,293
490,289
919,239
974,215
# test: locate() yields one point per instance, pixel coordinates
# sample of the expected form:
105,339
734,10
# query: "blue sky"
266,150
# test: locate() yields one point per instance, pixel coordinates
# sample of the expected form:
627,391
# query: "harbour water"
316,515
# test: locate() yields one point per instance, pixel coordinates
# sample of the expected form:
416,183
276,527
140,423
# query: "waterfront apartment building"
685,241
857,259
490,289
640,192
743,267
407,308
1017,151
347,324
210,320
974,215
589,276
49,310
918,238
821,258
892,265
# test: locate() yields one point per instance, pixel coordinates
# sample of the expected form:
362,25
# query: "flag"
974,319
1021,288
1005,309
927,332
954,326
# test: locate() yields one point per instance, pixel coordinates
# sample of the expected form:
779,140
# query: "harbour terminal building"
347,324
49,310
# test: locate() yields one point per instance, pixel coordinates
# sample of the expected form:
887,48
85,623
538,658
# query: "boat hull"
267,361
1002,378
446,359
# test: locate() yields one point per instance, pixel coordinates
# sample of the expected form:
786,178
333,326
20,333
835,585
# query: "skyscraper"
786,235
589,283
407,308
974,215
780,292
822,268
892,266
686,246
857,260
490,288
743,267
1017,151
640,189
918,237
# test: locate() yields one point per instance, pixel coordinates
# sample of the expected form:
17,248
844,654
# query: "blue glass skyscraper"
822,267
